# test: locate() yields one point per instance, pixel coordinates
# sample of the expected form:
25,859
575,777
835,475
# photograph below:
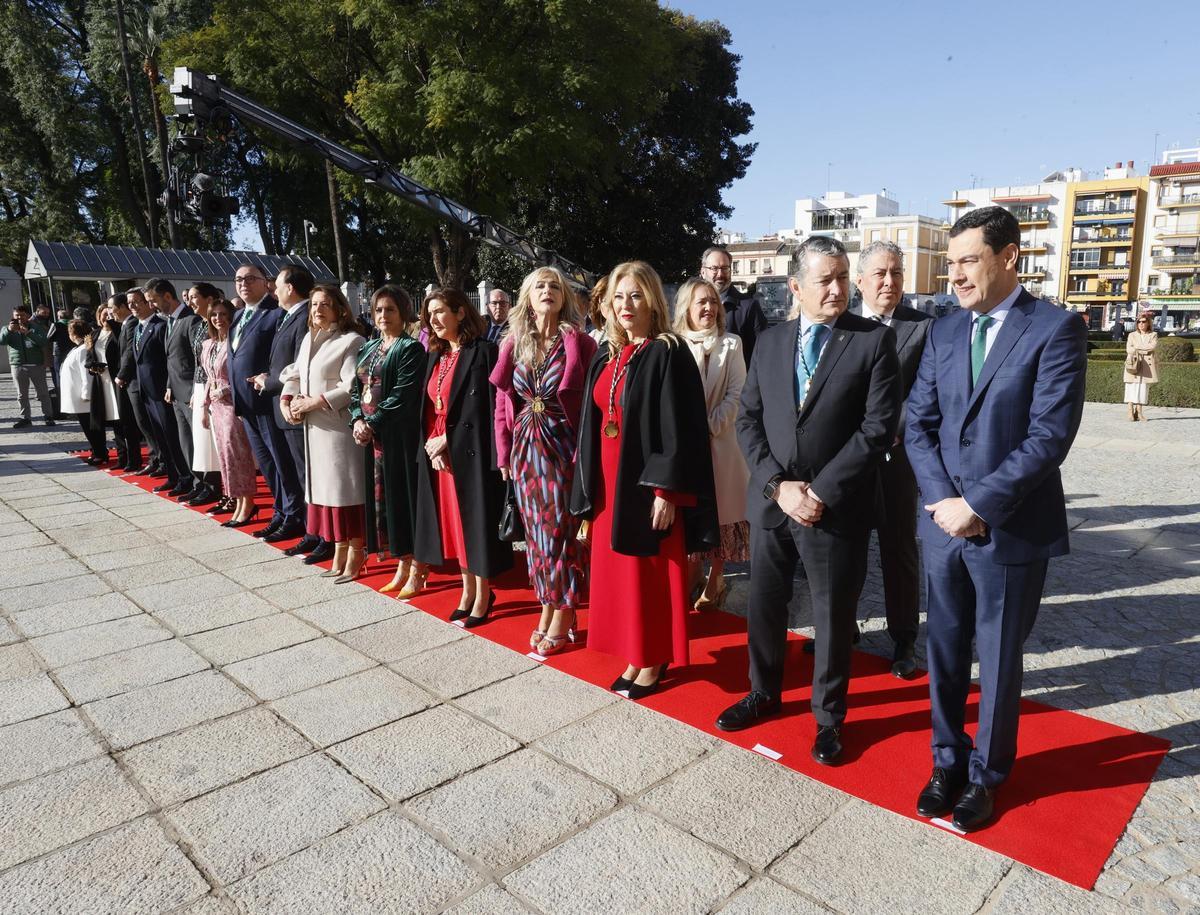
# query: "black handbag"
512,529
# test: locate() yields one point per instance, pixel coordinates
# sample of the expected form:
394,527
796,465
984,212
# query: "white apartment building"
1170,274
839,214
1040,210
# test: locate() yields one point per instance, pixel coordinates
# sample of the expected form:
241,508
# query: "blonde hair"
522,326
683,306
651,287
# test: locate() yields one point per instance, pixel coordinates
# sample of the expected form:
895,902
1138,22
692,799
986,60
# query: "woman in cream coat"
1139,349
316,394
700,321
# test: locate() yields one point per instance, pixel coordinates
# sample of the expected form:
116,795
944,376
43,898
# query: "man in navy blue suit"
150,364
250,341
991,417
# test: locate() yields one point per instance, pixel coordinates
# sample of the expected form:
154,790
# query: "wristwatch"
771,490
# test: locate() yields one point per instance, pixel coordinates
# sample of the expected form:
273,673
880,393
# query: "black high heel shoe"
253,516
620,685
637,691
470,622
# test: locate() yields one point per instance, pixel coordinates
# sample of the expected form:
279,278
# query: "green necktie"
170,326
979,347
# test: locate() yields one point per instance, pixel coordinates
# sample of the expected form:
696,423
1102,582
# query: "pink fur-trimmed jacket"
579,348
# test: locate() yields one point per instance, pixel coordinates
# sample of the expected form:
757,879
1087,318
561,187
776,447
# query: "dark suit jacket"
910,327
127,368
999,445
744,316
150,357
285,346
181,358
252,357
836,441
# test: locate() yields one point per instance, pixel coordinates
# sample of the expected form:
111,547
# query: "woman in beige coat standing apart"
1141,368
316,394
700,321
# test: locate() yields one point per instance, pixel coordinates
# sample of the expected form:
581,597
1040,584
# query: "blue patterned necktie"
807,357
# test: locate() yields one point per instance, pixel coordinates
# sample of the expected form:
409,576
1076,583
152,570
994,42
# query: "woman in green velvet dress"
385,410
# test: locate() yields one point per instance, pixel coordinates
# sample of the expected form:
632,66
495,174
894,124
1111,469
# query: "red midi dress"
639,604
449,518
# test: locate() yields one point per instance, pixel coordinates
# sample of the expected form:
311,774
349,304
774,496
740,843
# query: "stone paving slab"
14,600
290,670
28,697
73,645
206,615
63,807
253,638
337,711
558,699
402,636
422,751
491,900
163,708
173,594
245,827
272,572
763,895
17,661
629,862
134,870
212,755
123,671
41,745
168,566
353,611
383,866
74,614
462,666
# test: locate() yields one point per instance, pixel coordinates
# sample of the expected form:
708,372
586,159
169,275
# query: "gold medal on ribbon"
367,395
439,403
610,429
538,405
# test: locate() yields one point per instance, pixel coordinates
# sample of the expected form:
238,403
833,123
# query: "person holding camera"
26,344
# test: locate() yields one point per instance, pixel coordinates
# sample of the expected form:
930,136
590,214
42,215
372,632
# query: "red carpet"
1075,785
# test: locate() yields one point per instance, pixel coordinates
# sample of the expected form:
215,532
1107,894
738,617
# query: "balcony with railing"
829,220
1178,288
1094,207
1179,200
1174,260
1031,215
1102,238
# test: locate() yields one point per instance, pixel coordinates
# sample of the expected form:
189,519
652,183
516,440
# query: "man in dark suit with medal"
881,283
293,286
813,448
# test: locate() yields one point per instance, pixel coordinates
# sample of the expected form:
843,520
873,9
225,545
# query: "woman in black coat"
644,478
459,490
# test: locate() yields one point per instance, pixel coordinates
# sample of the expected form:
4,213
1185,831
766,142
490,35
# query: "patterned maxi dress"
233,448
370,377
542,462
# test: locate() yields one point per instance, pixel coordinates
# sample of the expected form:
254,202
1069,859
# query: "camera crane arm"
200,96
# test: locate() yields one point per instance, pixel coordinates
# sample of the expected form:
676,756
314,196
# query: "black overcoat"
396,425
472,451
664,445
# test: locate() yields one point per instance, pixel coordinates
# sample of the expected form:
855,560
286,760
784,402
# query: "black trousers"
898,555
141,416
94,433
836,566
126,434
162,417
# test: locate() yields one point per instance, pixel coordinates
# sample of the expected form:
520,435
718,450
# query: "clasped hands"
800,503
954,516
294,409
362,432
435,449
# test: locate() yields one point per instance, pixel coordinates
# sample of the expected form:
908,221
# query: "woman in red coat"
644,477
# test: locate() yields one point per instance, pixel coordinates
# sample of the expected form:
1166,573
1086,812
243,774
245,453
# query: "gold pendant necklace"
611,429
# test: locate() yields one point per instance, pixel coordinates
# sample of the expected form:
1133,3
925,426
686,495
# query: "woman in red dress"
645,479
459,491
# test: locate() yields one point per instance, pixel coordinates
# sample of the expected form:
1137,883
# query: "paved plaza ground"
192,723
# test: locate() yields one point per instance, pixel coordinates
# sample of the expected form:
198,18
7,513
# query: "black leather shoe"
180,490
974,808
202,495
637,691
285,532
621,684
22,423
810,646
828,746
904,661
307,544
156,470
748,711
165,487
269,529
940,792
323,551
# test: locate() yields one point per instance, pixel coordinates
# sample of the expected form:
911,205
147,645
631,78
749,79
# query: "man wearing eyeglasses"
498,304
744,315
250,340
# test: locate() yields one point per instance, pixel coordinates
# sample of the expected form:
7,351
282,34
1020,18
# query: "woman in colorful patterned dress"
385,408
459,492
539,389
233,448
644,477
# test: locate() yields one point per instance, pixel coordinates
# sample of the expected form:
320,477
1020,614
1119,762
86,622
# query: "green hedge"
1178,386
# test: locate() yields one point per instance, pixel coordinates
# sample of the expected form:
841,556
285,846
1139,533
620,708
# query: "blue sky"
918,97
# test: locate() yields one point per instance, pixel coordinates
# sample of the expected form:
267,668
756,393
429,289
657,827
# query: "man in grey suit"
181,369
881,283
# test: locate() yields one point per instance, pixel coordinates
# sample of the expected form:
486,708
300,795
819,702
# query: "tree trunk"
138,134
133,208
335,219
150,68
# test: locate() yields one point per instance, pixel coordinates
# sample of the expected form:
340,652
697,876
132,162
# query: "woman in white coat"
316,394
77,388
700,321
